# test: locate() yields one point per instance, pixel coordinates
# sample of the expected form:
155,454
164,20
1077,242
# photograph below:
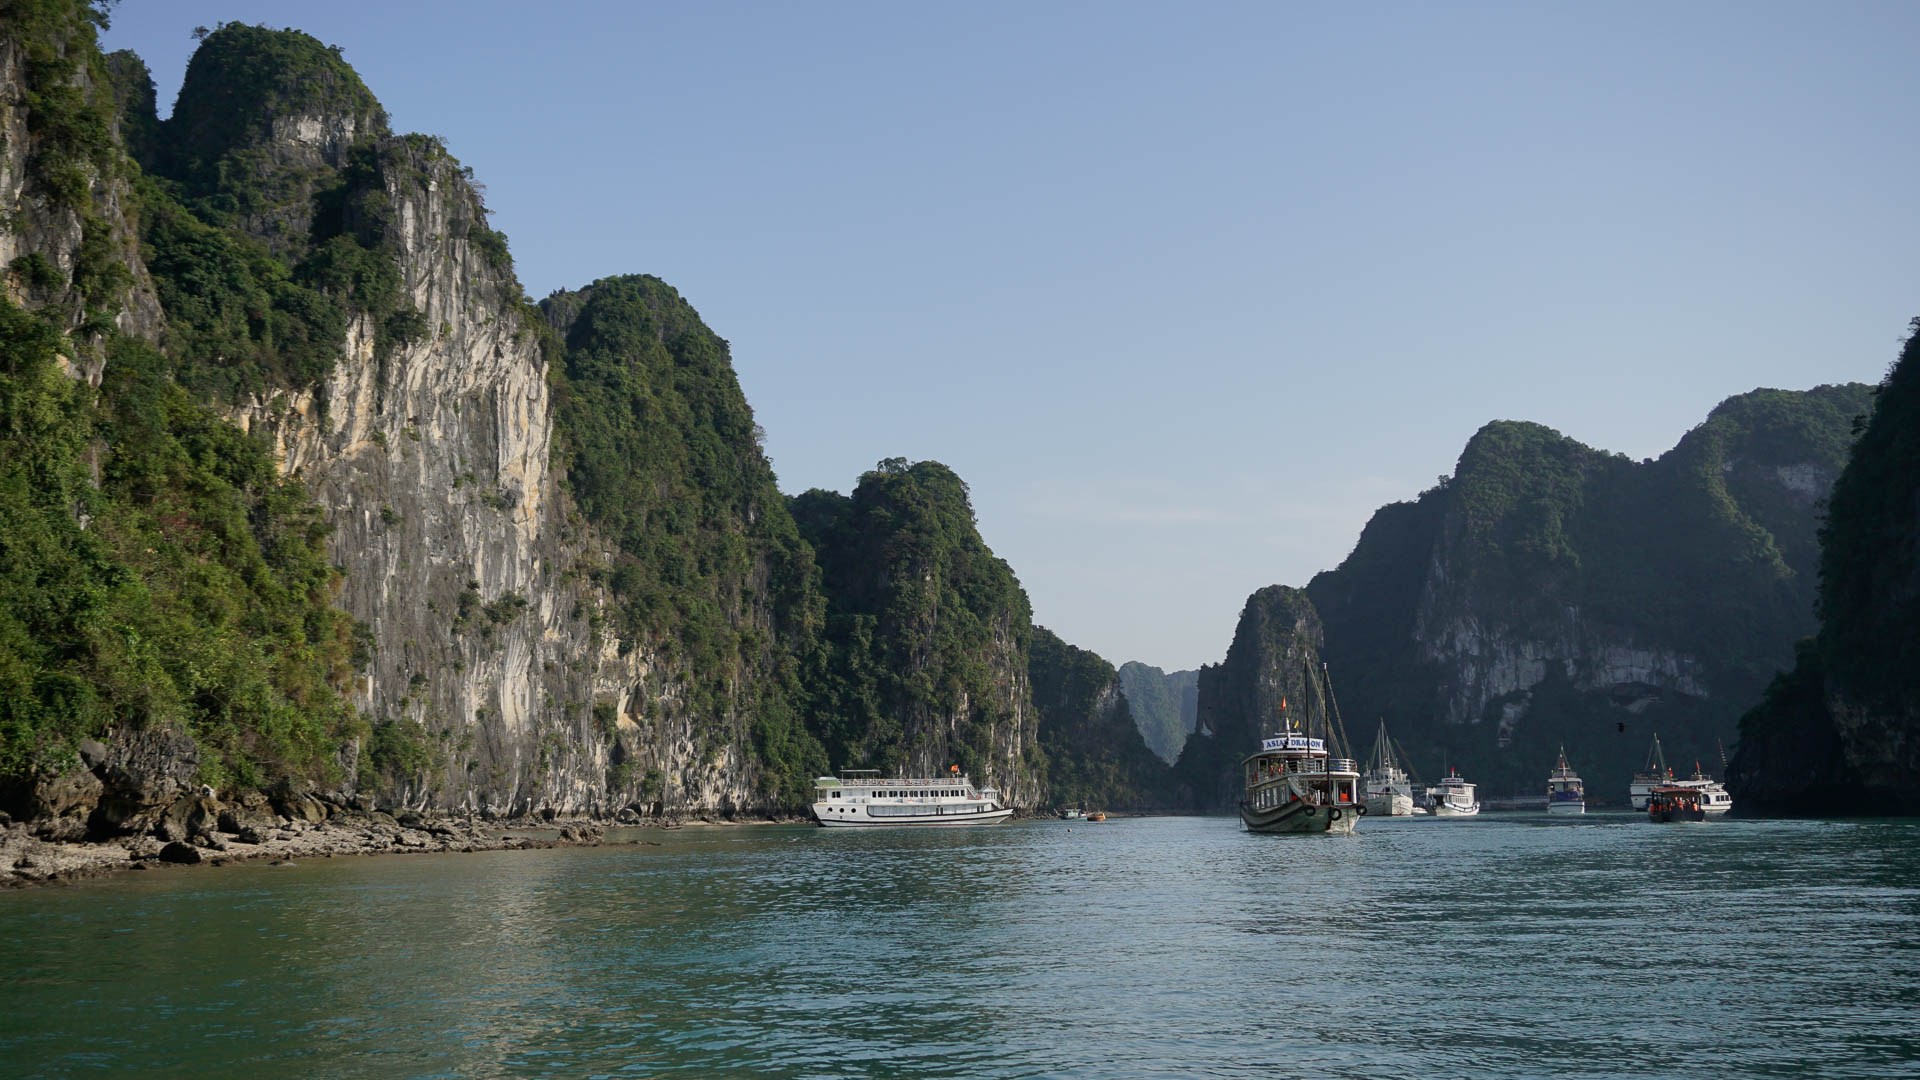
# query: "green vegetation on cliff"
927,631
1870,551
1163,704
662,456
1838,730
1095,755
221,145
265,244
1548,593
155,572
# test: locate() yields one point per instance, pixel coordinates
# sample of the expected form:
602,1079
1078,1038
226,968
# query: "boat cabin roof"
872,781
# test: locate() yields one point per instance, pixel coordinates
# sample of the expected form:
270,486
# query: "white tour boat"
1654,774
862,800
1295,785
1565,793
1452,797
1389,791
1714,799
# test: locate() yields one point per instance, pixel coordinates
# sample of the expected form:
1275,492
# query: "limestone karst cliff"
1163,705
925,658
1548,593
1096,756
165,596
68,241
1840,731
1271,675
452,550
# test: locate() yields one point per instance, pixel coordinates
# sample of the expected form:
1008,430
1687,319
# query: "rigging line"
1346,746
1406,762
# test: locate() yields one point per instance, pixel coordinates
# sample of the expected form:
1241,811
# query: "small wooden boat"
1097,815
1667,804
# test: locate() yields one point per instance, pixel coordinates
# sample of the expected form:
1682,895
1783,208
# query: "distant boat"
863,800
1389,792
1294,785
1097,815
1650,776
1714,799
1671,802
1565,793
1452,797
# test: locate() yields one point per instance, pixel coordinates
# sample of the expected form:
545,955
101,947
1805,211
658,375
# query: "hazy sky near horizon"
1184,291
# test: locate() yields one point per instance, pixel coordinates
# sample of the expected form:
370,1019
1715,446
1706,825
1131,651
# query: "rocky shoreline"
133,804
27,860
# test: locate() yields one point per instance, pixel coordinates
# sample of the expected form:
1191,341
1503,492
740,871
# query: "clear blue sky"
1185,291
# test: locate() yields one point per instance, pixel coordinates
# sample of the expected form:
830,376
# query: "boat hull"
1567,807
1300,817
1665,817
1395,805
1448,810
924,821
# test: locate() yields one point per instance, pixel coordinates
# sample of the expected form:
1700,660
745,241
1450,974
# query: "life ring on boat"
1360,808
1333,814
1309,809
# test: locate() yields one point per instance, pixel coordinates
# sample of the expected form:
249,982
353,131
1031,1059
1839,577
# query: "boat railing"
1311,767
942,782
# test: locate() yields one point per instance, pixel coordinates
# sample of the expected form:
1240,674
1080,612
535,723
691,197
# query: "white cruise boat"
1452,797
1388,790
862,800
1565,793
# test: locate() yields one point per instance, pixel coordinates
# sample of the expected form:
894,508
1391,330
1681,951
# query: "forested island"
306,500
308,510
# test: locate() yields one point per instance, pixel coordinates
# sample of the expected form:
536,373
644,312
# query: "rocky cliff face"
1548,593
433,460
68,243
1163,705
1271,676
1095,754
486,680
1840,732
483,590
406,540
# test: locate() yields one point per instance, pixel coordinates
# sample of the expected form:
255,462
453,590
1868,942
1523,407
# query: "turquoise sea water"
1504,946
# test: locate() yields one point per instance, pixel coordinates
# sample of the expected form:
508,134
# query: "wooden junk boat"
1295,785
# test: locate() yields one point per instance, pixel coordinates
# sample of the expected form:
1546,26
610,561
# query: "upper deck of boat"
1299,754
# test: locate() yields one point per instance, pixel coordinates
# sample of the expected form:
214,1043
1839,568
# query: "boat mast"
1344,746
1657,760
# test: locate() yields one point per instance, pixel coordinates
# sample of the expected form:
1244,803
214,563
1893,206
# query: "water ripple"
1496,947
